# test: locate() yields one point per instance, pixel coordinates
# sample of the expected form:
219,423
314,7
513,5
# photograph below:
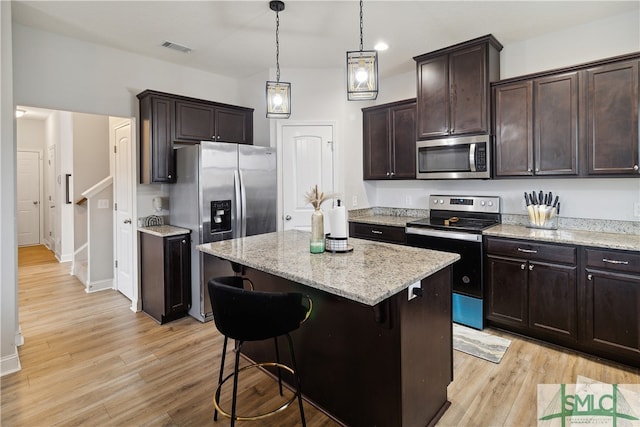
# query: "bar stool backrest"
255,315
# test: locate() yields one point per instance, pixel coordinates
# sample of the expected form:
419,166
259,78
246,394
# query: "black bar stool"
248,315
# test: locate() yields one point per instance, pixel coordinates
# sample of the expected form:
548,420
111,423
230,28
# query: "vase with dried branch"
316,198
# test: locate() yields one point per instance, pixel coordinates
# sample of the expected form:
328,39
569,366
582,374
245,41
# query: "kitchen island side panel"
389,364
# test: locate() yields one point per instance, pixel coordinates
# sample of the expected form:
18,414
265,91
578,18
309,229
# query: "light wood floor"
88,360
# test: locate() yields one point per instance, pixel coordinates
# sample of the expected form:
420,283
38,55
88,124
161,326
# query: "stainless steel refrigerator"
222,191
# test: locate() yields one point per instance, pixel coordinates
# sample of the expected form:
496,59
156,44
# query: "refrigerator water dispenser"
220,216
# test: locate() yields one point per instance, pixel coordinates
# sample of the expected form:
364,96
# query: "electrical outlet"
411,295
408,200
355,201
636,209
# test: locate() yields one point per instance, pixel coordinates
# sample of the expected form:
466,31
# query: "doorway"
307,159
29,197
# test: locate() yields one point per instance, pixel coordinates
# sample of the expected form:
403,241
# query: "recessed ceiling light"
381,46
20,113
176,46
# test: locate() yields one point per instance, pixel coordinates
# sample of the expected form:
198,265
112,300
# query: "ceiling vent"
176,46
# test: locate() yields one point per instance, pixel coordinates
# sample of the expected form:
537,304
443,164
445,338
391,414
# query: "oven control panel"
489,204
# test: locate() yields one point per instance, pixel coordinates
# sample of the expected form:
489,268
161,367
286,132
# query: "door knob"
288,217
127,221
35,202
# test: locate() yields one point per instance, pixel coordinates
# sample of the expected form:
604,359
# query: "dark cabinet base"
387,365
165,272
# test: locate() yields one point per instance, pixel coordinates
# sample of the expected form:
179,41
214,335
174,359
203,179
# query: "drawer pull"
528,251
589,276
522,266
613,261
376,232
530,267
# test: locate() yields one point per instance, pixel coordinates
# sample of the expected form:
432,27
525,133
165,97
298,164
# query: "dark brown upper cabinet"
612,101
389,141
453,88
166,119
157,158
536,126
198,121
576,121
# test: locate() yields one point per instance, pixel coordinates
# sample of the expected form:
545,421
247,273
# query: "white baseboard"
99,285
10,364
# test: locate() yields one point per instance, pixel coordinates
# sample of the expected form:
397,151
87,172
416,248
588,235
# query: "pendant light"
278,93
362,72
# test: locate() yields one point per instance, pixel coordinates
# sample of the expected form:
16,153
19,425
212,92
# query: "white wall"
616,35
582,198
30,134
62,73
90,165
9,328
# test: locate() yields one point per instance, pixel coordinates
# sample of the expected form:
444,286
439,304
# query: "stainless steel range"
455,224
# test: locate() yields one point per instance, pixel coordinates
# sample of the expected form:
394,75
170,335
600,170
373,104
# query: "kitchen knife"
532,217
534,207
555,202
542,208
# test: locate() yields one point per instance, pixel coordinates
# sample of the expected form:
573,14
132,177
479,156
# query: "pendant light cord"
361,26
278,46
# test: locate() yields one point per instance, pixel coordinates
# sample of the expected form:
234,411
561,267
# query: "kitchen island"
370,354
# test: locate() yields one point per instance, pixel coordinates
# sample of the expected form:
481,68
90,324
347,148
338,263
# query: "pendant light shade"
278,100
278,93
362,71
362,75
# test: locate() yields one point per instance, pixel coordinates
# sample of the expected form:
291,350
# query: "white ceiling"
237,38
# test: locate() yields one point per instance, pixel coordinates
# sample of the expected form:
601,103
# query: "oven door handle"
470,237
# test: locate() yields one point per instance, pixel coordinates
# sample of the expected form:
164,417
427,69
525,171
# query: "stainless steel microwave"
465,157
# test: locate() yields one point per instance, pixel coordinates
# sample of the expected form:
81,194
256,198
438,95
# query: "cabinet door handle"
522,266
376,232
614,261
528,251
388,173
393,173
589,276
530,267
184,241
635,167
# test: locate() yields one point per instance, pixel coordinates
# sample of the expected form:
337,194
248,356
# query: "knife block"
546,220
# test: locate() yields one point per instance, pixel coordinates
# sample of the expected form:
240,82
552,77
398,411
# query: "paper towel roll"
338,222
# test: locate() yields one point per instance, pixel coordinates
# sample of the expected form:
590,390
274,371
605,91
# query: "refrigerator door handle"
237,230
243,207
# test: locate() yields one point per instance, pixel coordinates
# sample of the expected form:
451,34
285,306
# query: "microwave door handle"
472,157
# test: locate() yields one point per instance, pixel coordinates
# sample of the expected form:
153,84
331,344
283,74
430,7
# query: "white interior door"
123,196
51,199
307,160
28,187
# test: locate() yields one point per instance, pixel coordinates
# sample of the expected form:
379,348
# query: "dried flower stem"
316,197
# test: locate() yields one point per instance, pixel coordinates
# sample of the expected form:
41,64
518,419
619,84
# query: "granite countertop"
600,239
164,230
369,274
629,242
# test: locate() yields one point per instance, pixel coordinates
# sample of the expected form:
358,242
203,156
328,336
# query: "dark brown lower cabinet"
611,286
381,233
165,275
531,288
